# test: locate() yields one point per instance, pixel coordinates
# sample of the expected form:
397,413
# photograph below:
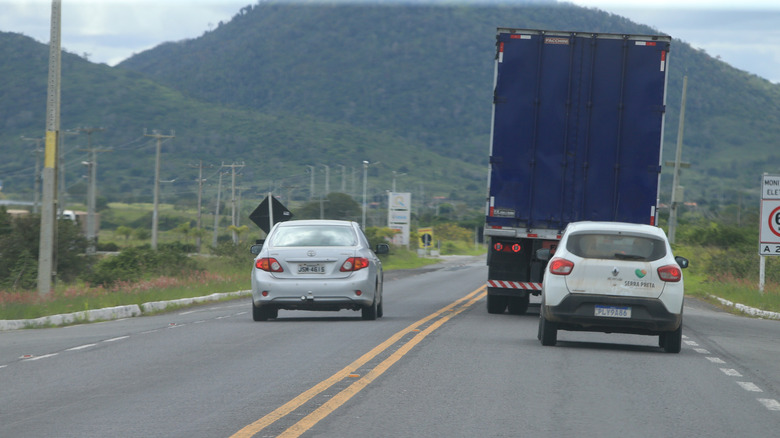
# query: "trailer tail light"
268,264
354,264
515,247
670,273
559,266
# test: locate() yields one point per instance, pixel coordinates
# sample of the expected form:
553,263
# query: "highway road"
436,365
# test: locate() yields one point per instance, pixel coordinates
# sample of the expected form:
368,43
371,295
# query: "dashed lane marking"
769,403
45,356
81,347
750,386
731,372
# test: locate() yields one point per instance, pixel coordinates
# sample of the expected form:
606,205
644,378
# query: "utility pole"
238,209
62,193
233,197
395,175
353,192
155,212
677,197
91,191
48,237
200,203
327,179
365,176
37,178
311,173
216,212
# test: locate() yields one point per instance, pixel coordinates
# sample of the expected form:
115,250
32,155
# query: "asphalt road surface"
436,365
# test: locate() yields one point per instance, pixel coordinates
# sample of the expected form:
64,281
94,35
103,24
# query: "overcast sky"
743,33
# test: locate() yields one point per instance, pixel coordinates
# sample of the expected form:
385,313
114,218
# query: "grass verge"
736,290
221,274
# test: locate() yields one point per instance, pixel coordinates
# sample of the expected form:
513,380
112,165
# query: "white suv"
613,277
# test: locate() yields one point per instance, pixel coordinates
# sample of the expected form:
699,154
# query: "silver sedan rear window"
616,247
317,235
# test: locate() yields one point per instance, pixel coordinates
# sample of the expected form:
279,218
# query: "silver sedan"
317,265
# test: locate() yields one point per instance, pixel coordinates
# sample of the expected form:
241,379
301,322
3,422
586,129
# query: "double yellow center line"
420,329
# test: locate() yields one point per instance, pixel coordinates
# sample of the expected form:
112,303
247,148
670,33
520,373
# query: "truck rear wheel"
496,304
518,305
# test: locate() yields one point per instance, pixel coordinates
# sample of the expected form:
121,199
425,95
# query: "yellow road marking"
355,387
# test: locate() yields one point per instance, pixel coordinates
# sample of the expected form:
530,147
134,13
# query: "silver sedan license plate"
612,311
311,269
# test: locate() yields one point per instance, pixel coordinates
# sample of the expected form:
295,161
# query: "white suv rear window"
616,247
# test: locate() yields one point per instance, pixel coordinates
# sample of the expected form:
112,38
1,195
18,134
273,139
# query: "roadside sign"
262,214
426,237
769,230
399,216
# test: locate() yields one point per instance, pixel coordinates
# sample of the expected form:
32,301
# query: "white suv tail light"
670,273
559,266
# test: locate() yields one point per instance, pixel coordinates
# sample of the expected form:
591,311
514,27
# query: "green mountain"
283,86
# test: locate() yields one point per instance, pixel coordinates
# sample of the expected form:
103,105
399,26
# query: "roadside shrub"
237,253
108,246
184,248
737,264
19,246
377,235
132,264
718,235
451,232
142,233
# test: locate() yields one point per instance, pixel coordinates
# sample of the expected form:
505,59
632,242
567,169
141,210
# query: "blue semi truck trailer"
576,134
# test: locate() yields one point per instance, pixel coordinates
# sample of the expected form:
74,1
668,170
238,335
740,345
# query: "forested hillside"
283,86
425,72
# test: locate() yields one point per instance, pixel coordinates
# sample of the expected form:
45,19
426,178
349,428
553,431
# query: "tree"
19,240
239,230
199,233
142,233
125,231
450,231
184,228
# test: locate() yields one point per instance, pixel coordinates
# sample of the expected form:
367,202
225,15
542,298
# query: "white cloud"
743,33
113,30
667,5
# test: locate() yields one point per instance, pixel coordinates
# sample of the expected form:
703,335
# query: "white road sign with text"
769,230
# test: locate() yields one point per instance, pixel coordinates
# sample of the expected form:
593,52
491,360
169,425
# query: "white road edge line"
116,339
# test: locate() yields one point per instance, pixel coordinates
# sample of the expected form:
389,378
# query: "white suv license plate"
612,311
311,269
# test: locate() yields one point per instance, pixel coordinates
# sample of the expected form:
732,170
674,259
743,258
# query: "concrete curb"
752,311
111,313
156,306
